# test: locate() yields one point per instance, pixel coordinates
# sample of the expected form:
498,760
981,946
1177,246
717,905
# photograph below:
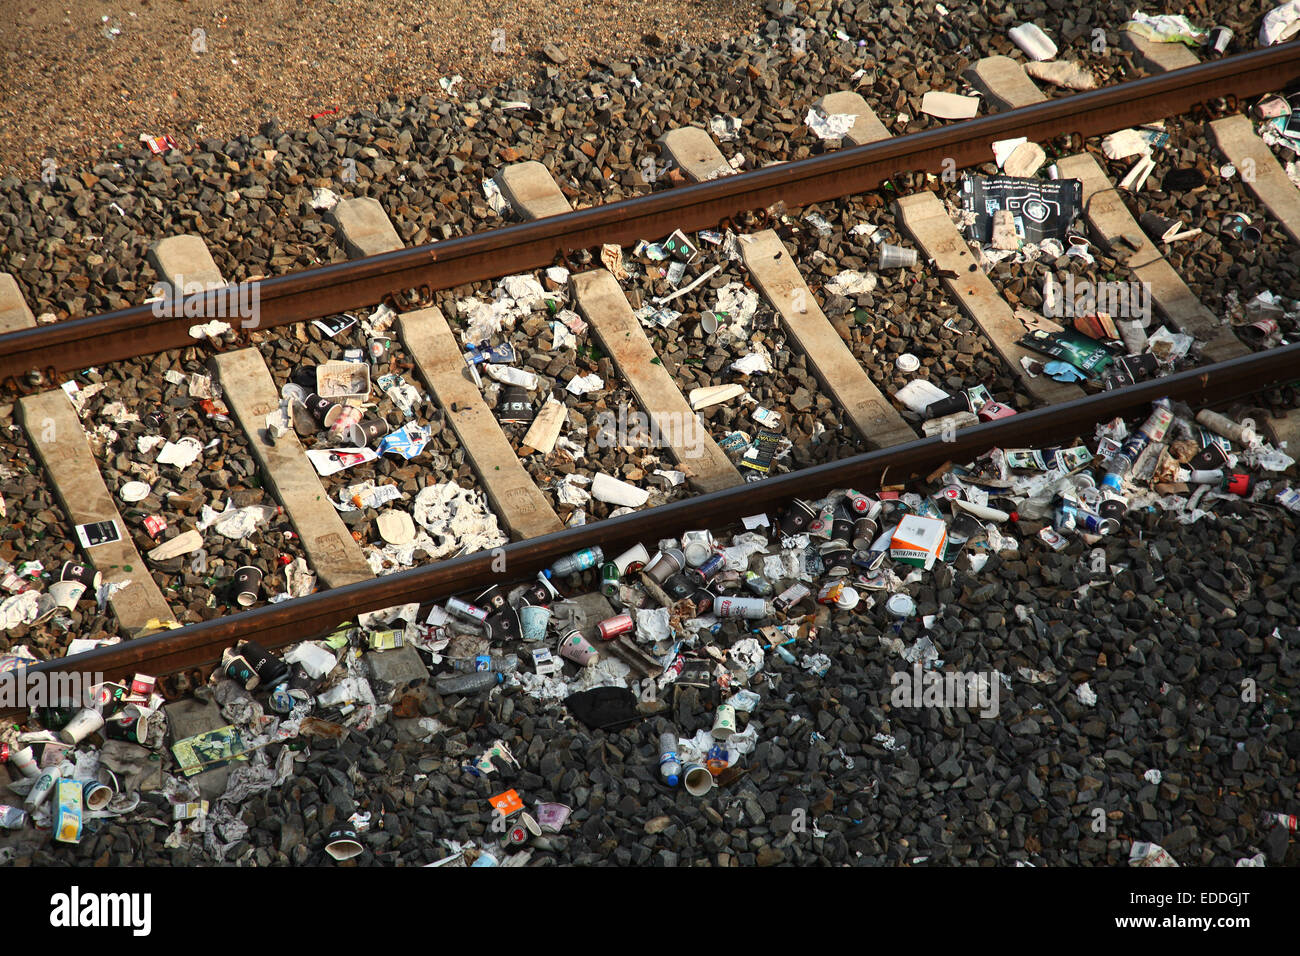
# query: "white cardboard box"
918,541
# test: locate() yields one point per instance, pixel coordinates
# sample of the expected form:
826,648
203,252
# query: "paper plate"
396,527
134,491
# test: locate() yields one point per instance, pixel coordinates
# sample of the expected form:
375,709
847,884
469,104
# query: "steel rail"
312,293
200,645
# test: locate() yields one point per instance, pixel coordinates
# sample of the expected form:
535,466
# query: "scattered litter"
829,125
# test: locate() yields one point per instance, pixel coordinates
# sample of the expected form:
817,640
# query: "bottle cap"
672,779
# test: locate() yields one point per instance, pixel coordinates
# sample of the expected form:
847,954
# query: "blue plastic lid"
672,780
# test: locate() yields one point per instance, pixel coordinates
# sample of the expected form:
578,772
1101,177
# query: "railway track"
32,358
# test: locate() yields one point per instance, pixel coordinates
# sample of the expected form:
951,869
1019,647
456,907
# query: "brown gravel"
70,88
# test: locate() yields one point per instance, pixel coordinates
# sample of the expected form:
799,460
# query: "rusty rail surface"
312,293
200,645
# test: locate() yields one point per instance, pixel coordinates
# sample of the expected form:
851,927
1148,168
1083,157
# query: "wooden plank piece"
923,217
55,433
775,273
601,301
513,494
251,395
1109,219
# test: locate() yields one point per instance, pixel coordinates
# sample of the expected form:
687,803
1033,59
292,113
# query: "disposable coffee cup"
665,565
25,761
797,517
864,532
1159,227
325,411
837,557
368,432
67,593
270,669
343,845
83,724
697,779
1220,37
724,722
632,560
679,586
533,620
948,406
71,571
494,599
96,795
247,585
576,648
504,625
237,668
896,257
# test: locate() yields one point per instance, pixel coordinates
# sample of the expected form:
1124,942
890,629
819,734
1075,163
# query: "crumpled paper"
457,520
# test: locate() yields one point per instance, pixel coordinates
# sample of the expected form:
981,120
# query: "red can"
612,627
155,525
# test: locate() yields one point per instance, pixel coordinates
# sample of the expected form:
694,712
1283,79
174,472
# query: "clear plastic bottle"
506,664
578,561
468,683
670,767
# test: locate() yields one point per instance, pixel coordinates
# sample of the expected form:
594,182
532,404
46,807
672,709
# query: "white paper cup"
724,722
25,761
67,593
84,723
698,779
635,555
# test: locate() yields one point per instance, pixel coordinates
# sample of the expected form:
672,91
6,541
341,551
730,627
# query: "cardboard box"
918,541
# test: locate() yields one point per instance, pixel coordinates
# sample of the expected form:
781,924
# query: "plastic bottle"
670,767
497,663
578,561
469,683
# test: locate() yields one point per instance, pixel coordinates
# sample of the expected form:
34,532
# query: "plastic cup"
697,779
896,257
